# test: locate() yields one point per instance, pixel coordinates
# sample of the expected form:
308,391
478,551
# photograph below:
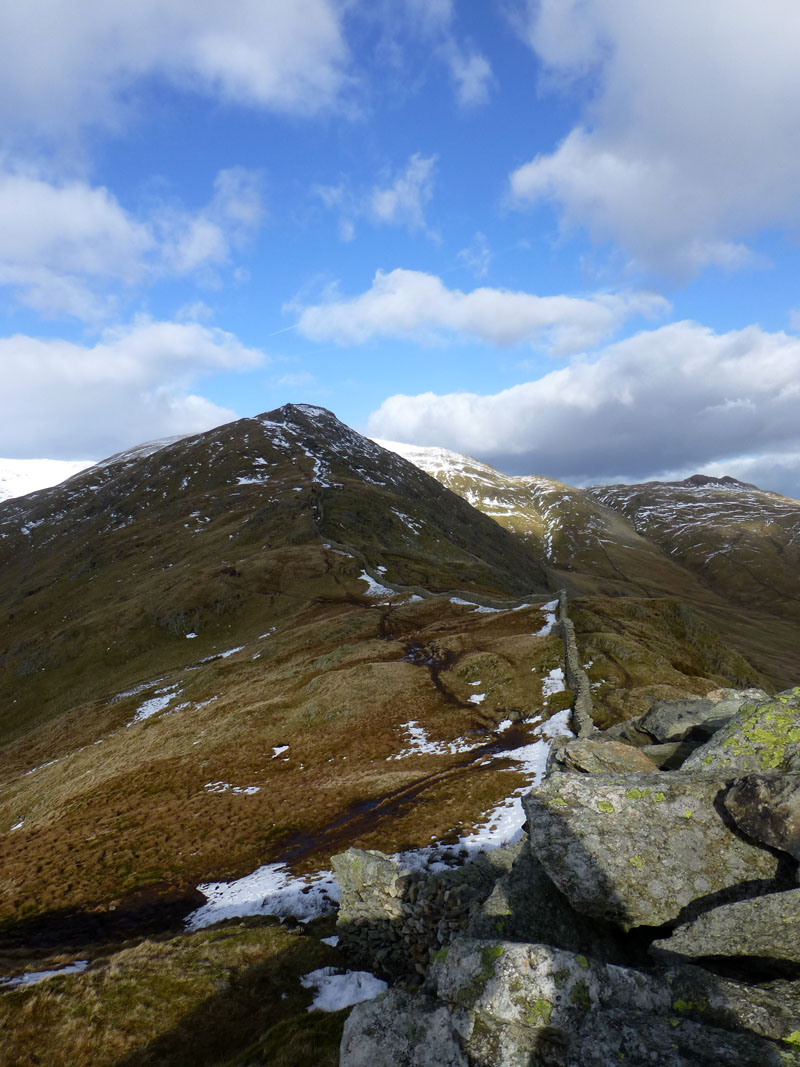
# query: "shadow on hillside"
258,1018
146,912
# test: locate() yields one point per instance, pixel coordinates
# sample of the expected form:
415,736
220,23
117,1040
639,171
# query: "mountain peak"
723,480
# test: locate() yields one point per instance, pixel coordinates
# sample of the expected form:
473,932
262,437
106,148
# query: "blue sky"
560,235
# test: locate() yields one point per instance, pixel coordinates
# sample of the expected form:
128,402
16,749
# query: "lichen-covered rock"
536,986
766,928
676,720
400,1030
761,737
767,809
591,756
625,1037
637,849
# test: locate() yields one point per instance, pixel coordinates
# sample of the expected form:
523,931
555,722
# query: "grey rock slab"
526,906
674,720
766,928
767,809
637,849
761,737
637,1039
590,756
400,1029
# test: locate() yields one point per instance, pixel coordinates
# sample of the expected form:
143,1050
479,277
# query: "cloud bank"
408,303
68,247
689,145
676,399
70,63
66,400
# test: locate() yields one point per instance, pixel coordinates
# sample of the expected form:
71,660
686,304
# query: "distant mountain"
591,547
21,476
742,542
727,548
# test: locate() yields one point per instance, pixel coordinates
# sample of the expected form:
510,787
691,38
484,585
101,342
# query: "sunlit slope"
740,540
173,618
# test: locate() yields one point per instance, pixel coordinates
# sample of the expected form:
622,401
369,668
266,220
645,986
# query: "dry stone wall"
576,677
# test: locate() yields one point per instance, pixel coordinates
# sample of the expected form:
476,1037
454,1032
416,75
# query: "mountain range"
265,643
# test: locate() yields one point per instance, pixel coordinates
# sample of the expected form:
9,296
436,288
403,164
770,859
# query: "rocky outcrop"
639,849
767,809
651,917
764,735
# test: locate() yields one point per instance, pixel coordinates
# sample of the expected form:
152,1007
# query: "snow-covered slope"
21,476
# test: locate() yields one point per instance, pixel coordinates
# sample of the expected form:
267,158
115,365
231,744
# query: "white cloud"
62,399
68,247
398,200
407,303
677,398
67,63
477,256
471,74
403,202
688,146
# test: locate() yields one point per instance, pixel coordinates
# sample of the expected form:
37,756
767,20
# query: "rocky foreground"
651,916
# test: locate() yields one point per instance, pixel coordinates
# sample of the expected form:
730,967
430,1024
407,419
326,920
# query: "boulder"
697,718
675,720
526,906
761,737
771,1010
596,756
767,809
766,928
638,849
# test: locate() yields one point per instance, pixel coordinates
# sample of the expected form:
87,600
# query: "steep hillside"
225,658
228,531
210,661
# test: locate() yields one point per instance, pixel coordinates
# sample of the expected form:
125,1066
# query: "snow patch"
237,790
32,977
553,682
269,890
374,589
337,990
